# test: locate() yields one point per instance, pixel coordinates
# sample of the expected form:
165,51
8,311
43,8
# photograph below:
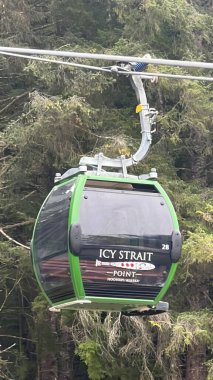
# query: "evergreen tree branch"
15,337
13,101
7,294
8,348
9,226
13,240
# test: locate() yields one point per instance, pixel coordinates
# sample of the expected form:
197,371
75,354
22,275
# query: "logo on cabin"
123,270
126,265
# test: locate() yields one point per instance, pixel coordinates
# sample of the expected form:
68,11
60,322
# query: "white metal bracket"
147,120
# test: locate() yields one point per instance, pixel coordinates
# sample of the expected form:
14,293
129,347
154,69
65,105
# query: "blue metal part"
139,66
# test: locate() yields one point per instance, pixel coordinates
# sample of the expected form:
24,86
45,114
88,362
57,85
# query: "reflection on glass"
51,243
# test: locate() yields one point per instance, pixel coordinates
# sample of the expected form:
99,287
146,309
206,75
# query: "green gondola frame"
80,265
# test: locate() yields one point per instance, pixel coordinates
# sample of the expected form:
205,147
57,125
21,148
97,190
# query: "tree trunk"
195,368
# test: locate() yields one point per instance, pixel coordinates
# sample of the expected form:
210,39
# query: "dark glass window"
121,212
55,277
121,186
51,230
51,243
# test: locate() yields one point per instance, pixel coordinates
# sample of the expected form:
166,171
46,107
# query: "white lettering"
140,257
113,253
118,273
121,256
107,253
122,279
121,273
150,255
133,254
125,255
165,247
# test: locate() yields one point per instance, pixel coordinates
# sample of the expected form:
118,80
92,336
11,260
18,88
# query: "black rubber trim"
176,246
75,235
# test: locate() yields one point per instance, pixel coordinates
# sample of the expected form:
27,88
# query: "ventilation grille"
97,289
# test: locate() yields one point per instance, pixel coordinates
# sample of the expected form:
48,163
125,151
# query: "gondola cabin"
106,243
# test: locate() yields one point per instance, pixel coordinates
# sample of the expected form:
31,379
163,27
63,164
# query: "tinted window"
51,230
121,186
55,277
51,244
120,212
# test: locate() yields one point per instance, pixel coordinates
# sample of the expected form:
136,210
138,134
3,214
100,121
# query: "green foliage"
21,364
126,344
142,348
42,331
173,27
89,352
4,369
191,330
198,247
209,365
67,80
207,215
17,292
50,135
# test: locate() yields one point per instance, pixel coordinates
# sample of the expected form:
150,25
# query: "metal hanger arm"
147,119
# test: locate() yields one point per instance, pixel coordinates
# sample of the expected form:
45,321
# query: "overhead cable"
172,76
113,69
108,57
56,61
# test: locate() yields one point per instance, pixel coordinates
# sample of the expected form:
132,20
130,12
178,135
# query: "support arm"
147,118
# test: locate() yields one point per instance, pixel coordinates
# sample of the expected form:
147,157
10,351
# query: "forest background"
50,116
